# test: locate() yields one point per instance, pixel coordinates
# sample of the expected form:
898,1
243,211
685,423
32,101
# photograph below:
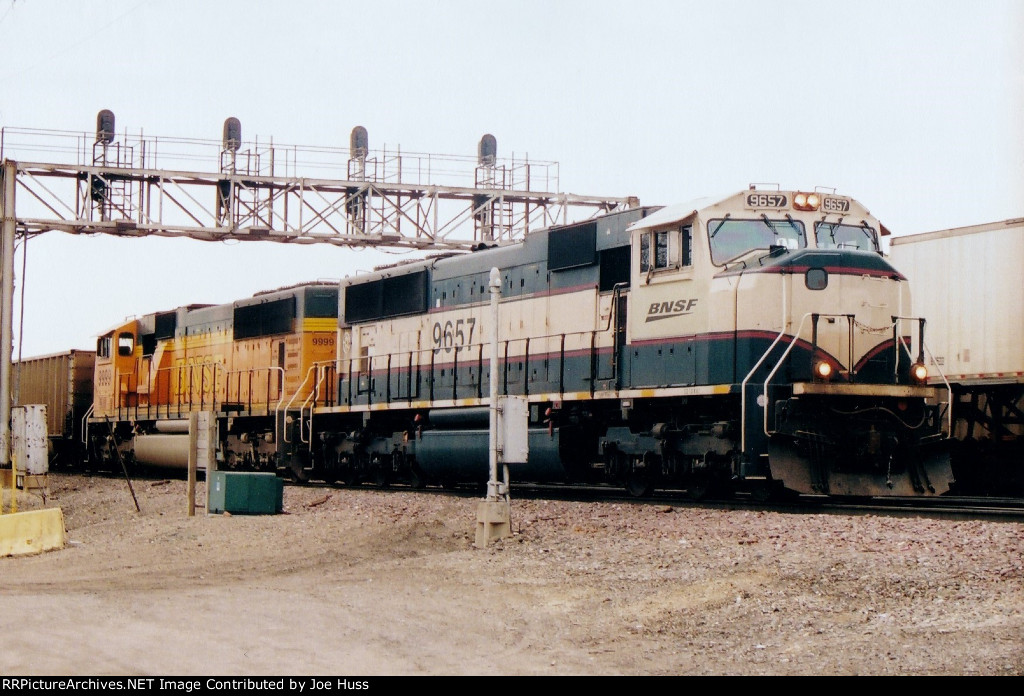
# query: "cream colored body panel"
445,335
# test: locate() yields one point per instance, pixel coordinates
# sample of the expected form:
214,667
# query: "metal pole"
6,309
492,482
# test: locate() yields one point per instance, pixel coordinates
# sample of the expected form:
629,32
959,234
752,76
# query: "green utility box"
245,493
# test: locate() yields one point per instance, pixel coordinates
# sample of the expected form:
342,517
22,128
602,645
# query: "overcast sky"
914,108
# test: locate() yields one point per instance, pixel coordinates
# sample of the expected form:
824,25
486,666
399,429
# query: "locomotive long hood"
834,261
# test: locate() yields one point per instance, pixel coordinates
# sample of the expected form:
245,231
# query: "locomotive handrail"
923,350
174,400
949,392
616,293
757,365
743,384
85,423
896,321
782,359
184,397
425,360
251,371
322,368
616,312
284,431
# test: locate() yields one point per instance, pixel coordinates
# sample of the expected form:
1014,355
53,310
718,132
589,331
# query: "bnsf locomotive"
757,341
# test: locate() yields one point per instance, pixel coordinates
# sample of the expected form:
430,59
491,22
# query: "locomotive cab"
782,302
115,384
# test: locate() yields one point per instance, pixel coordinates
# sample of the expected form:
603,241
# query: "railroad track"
1012,509
945,507
1007,509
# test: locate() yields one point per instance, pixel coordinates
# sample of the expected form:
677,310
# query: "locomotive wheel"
326,468
416,478
639,484
703,486
380,474
342,472
698,489
769,492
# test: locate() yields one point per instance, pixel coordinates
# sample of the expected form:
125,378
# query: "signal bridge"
235,189
247,190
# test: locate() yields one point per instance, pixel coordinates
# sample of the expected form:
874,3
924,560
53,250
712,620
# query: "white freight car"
968,282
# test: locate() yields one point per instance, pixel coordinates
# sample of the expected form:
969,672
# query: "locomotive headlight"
822,370
806,201
919,372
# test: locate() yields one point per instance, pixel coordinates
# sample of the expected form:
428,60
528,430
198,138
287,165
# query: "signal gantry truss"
208,190
232,189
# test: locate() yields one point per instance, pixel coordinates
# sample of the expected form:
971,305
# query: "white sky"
916,108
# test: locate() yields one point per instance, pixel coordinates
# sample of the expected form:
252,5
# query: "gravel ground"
355,582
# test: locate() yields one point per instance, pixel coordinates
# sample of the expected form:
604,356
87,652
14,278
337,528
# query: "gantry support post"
6,307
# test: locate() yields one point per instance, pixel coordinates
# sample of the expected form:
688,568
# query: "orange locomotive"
248,361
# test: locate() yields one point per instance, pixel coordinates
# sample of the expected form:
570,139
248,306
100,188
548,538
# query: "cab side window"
686,245
654,250
666,249
125,344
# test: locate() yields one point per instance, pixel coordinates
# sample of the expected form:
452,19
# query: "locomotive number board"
835,205
767,200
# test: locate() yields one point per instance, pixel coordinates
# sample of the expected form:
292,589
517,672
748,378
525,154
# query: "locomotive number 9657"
453,334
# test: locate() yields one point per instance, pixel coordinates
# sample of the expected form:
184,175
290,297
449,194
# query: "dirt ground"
362,582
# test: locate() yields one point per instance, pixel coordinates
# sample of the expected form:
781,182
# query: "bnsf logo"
667,310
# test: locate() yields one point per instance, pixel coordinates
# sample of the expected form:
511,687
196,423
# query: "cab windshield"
730,239
834,235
